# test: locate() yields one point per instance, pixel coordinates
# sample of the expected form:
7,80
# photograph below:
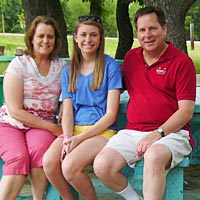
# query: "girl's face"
87,38
43,39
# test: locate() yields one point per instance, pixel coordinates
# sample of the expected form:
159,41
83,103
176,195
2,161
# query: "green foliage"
109,18
22,21
193,16
11,9
132,10
14,15
72,9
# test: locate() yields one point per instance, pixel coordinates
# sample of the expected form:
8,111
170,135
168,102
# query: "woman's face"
88,38
43,39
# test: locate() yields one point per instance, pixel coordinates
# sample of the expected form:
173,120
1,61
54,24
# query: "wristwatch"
160,130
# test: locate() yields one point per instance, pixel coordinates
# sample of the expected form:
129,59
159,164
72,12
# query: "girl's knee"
50,163
69,170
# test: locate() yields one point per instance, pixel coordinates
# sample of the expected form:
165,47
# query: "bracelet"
65,136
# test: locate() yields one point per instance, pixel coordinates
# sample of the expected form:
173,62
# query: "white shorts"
125,142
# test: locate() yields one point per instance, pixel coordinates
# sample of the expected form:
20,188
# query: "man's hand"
146,142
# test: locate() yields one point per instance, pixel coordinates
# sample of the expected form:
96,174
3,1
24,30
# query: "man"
161,82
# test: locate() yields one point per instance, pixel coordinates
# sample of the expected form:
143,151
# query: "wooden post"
19,51
2,48
192,35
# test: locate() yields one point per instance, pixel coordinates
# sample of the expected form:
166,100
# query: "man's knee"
101,167
157,157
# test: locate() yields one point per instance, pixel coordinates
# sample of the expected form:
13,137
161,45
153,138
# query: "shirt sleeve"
65,83
114,74
186,81
16,67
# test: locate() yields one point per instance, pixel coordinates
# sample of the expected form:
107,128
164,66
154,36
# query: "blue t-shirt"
89,106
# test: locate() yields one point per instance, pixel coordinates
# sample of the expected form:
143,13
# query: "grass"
13,41
194,54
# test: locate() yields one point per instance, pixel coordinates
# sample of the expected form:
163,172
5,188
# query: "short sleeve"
16,67
65,82
114,74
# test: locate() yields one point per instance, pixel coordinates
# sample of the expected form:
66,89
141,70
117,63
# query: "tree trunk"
96,7
54,10
33,8
175,12
125,29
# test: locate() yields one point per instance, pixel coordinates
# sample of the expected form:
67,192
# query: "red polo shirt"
155,90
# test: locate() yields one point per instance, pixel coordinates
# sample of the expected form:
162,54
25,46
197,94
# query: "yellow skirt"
106,134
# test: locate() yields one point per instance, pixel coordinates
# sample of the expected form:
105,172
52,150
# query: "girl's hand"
72,143
63,154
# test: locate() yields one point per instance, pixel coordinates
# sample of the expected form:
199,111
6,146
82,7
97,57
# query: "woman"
90,92
27,119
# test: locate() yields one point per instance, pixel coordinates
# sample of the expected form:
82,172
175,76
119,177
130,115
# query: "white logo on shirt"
161,71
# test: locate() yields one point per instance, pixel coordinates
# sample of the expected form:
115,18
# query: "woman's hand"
56,129
60,113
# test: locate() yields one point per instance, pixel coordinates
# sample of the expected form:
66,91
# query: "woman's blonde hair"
77,56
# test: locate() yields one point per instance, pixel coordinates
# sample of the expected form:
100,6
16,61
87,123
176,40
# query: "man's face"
150,33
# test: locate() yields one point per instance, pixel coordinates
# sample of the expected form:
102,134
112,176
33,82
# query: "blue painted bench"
175,179
195,126
9,58
1,90
6,58
174,188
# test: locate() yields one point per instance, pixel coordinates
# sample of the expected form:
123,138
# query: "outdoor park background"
13,41
12,25
12,19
